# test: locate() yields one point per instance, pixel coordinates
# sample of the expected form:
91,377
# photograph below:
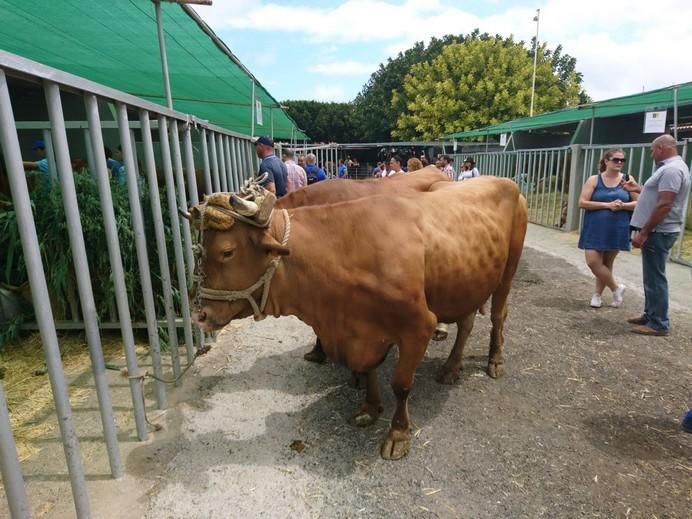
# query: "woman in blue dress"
606,227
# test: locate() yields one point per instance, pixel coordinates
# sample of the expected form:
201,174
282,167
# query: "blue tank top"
603,229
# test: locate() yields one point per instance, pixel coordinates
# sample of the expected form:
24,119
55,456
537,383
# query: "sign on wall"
258,111
655,122
503,139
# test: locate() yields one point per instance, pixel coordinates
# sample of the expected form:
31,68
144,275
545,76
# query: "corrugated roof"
115,43
660,99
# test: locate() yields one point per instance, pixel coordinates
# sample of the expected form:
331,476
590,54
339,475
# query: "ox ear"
269,244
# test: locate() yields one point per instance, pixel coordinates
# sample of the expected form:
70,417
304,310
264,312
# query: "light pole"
162,43
535,55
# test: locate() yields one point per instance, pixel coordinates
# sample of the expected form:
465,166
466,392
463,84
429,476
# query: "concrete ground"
584,424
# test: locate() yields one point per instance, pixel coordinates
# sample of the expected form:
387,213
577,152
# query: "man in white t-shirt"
660,218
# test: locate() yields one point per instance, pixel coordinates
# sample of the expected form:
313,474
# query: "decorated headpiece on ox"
253,205
234,263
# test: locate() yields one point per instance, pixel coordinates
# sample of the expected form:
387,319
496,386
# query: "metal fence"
552,178
176,146
326,155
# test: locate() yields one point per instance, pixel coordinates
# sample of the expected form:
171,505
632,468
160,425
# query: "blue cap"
39,145
265,139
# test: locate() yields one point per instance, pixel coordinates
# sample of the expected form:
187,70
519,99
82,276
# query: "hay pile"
27,387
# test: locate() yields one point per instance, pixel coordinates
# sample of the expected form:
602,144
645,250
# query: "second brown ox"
418,257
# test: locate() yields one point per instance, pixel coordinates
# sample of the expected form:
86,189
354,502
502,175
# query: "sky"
326,50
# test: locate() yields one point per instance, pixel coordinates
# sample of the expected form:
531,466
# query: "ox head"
236,255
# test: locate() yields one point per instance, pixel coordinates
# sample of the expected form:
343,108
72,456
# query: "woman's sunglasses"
618,160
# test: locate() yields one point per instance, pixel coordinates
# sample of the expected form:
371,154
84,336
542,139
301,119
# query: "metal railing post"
177,238
39,295
142,254
81,270
222,162
182,197
574,189
10,469
190,166
214,162
113,244
230,171
205,161
150,167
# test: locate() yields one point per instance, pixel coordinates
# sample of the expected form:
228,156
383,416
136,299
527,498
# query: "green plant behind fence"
51,228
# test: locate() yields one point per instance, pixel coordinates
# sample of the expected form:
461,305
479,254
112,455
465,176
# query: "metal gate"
172,145
551,180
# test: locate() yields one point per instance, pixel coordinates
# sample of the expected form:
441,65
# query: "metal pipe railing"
182,198
205,161
222,162
10,469
81,270
214,162
113,244
161,248
177,236
39,295
142,254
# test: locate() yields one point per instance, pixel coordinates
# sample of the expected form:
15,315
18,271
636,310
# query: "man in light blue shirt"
277,173
659,218
41,165
39,148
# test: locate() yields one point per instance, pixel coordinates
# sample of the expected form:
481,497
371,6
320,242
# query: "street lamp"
162,43
535,55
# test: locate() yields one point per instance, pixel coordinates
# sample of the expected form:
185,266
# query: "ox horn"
244,207
185,214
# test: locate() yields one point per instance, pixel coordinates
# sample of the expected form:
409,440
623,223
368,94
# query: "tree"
479,82
375,113
324,122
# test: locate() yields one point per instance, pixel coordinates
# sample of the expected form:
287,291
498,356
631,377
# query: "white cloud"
343,68
620,45
336,93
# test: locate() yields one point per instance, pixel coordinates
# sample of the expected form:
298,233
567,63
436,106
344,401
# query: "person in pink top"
297,177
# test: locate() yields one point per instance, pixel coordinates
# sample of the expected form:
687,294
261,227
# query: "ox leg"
371,408
498,309
398,441
449,373
496,359
498,314
316,354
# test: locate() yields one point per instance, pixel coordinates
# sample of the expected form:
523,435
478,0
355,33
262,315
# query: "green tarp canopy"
661,99
115,43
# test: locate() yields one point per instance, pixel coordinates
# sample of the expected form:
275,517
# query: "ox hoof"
448,377
496,369
396,445
316,355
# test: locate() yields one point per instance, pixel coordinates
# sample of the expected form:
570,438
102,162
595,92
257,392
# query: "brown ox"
417,257
343,190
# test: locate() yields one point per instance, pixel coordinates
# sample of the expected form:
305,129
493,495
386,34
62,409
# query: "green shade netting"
661,99
115,43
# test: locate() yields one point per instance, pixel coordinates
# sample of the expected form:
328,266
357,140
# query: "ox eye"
228,253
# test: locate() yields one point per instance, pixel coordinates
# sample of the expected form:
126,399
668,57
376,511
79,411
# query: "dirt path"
585,423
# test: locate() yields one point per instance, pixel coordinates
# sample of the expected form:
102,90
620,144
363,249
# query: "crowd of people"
292,171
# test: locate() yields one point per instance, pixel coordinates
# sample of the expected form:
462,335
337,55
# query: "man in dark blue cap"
277,179
39,148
